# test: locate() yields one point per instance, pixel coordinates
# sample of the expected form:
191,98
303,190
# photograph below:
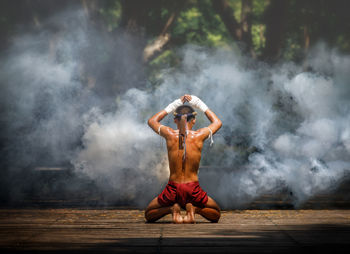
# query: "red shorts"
183,193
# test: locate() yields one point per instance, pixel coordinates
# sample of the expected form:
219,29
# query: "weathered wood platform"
124,230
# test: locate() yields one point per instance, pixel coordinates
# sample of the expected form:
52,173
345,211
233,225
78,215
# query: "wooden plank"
123,230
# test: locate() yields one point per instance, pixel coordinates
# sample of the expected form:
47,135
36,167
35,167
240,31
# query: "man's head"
185,110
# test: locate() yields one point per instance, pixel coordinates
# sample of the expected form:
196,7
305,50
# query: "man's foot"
190,209
175,211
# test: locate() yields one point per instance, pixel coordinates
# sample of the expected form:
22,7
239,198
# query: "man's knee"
215,215
148,216
212,214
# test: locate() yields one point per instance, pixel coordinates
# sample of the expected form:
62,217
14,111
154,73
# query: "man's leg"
211,211
155,211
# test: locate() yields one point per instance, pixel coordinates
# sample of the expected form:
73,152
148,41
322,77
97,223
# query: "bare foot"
189,218
175,211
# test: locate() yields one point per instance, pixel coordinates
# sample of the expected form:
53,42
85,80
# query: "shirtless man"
184,153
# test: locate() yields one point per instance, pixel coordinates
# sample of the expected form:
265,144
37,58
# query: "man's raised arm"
215,121
198,103
154,121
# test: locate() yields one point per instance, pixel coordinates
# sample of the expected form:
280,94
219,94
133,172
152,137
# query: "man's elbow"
149,122
219,123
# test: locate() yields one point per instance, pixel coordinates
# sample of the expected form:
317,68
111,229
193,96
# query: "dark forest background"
270,31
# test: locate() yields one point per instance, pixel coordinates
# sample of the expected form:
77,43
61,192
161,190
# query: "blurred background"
266,30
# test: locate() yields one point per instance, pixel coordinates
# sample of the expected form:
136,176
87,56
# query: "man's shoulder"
200,134
200,131
169,132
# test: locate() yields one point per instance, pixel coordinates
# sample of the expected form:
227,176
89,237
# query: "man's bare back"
184,159
194,144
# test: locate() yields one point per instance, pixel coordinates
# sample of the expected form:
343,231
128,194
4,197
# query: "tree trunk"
226,14
91,9
246,26
306,47
153,49
276,19
134,16
241,32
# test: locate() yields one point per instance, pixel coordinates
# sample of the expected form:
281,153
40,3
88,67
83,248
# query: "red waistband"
187,183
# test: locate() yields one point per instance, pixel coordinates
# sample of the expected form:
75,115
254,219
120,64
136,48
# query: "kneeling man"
184,153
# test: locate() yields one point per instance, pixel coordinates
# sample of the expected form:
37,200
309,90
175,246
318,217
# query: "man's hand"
185,98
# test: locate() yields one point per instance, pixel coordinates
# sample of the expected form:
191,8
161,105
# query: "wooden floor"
124,230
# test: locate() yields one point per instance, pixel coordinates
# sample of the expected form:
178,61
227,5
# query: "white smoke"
282,127
294,119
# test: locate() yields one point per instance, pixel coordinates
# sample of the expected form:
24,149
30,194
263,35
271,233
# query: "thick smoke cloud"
283,128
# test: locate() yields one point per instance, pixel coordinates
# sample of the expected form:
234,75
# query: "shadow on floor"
328,238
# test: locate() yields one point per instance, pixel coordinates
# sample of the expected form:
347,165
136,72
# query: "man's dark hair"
185,109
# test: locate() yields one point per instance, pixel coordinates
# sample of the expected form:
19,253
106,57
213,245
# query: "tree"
275,18
240,31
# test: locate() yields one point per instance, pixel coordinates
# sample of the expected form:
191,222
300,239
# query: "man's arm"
215,121
154,121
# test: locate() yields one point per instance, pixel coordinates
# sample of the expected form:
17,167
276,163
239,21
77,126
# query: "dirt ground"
125,230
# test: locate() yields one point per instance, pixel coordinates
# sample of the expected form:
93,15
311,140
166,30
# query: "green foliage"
258,38
200,25
111,13
236,5
197,22
258,26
